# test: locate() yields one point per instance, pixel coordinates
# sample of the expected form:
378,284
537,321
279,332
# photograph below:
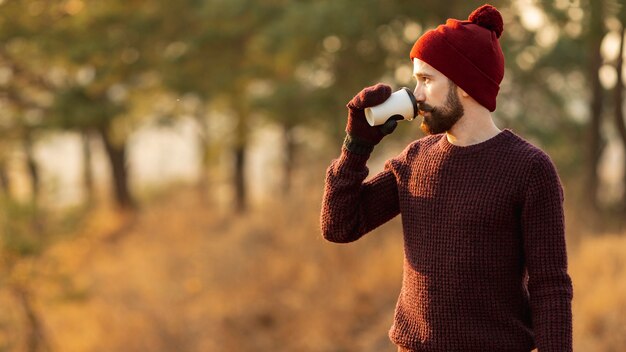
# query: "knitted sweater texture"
485,262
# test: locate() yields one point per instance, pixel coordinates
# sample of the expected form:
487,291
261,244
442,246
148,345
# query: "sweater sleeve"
549,285
351,207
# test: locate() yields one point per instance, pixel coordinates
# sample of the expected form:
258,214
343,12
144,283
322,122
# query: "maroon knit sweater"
485,263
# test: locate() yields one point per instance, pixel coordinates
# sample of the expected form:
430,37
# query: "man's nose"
419,93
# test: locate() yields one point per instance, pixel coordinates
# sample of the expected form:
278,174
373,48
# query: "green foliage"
75,108
293,63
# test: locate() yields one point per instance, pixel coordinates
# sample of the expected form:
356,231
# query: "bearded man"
485,261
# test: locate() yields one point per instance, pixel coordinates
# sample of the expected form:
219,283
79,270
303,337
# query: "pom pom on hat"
488,17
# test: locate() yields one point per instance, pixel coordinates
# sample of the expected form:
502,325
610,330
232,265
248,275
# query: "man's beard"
442,118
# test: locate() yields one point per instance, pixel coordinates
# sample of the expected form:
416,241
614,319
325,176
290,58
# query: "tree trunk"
205,175
206,155
619,109
239,155
88,181
119,172
35,338
594,137
31,164
5,182
38,220
288,158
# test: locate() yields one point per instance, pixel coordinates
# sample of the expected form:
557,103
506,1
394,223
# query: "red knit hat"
468,53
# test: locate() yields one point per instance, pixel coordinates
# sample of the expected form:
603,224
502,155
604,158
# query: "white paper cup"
401,102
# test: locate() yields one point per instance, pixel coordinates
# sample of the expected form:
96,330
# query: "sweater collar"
450,148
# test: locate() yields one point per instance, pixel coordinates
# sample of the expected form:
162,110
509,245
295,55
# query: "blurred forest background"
162,166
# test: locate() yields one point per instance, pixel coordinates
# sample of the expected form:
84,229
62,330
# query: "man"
485,265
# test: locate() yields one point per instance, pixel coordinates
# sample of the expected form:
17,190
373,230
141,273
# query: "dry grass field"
184,276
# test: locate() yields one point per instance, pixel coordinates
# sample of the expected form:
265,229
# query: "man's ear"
462,92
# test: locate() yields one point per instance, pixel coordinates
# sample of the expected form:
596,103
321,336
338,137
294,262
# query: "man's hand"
359,131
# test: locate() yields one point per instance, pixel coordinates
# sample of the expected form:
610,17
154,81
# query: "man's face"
438,99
